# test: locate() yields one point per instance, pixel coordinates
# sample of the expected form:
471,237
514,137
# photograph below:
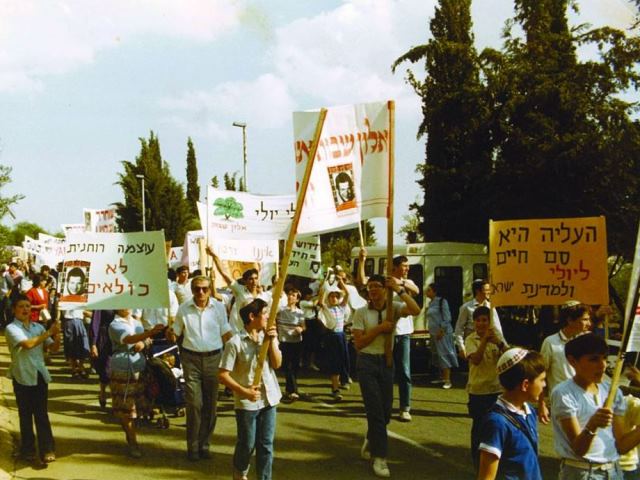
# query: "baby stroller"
164,385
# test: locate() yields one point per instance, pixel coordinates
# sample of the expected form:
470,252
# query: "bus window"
368,267
480,271
417,275
381,263
449,279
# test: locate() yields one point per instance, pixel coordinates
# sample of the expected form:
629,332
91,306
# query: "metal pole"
244,156
144,209
243,126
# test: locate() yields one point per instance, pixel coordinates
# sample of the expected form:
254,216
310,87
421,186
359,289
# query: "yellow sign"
548,261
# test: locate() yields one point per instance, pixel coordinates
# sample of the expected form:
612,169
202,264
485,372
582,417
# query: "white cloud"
41,38
265,103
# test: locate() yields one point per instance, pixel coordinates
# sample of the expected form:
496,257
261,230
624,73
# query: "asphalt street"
315,438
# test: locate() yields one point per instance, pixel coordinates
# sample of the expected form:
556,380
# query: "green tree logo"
229,207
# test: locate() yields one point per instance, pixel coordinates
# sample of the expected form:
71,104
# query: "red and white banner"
350,177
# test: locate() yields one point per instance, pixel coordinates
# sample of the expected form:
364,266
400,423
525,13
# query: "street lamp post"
243,126
144,210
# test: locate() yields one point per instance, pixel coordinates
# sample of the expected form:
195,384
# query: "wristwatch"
401,292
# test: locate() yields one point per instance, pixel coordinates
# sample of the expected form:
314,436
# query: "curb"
7,421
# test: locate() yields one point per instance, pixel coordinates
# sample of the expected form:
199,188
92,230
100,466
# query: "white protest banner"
191,249
350,177
47,252
100,221
305,257
248,215
114,271
68,228
243,250
175,257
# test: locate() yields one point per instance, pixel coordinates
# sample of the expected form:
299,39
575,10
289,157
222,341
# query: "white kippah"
509,358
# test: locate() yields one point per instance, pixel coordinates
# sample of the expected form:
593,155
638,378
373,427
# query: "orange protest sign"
548,261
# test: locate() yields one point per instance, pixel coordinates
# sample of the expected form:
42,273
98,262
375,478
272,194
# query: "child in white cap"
509,435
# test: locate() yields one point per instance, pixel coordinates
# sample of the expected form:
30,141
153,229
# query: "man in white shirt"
202,322
464,325
181,287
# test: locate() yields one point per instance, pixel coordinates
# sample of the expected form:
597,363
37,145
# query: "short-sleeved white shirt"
367,318
153,316
405,324
202,329
240,358
569,399
555,362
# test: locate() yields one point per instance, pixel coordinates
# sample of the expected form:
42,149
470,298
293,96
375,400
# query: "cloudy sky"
82,80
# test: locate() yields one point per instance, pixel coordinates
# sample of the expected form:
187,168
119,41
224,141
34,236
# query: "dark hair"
293,289
477,285
573,312
18,298
586,344
182,268
480,311
196,273
399,260
343,177
36,279
529,368
306,291
45,268
76,272
377,278
248,273
253,308
171,274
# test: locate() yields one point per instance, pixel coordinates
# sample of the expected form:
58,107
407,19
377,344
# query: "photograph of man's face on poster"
75,280
342,186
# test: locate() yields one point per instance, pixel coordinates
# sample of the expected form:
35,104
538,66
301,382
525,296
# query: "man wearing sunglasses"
202,324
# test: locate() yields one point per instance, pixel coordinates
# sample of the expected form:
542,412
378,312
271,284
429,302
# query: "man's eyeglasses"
374,286
200,289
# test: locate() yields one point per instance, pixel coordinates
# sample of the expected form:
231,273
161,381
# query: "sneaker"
337,396
380,467
405,416
365,454
314,367
447,385
294,396
345,386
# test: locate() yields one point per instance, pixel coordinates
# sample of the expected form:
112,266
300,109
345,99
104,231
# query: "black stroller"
163,389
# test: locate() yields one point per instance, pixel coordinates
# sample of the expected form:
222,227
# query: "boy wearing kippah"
509,439
588,437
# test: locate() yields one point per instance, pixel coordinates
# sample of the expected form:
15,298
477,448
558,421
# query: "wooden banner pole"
279,287
361,235
388,345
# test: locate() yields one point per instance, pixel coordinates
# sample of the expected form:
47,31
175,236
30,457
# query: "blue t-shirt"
124,357
518,456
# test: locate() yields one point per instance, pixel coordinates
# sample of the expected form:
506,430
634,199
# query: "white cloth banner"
49,252
175,257
350,177
232,214
100,221
244,250
114,271
191,249
305,257
69,228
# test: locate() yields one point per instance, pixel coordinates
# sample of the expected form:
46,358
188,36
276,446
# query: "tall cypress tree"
193,189
458,149
165,203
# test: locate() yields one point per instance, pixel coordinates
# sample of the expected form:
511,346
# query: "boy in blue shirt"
509,439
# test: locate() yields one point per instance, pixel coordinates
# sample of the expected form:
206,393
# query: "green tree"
165,201
20,230
458,150
193,189
565,144
336,246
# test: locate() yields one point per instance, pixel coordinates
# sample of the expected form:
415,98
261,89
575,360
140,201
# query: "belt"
200,354
588,465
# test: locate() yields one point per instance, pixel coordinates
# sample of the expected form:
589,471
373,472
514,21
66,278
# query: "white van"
451,265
